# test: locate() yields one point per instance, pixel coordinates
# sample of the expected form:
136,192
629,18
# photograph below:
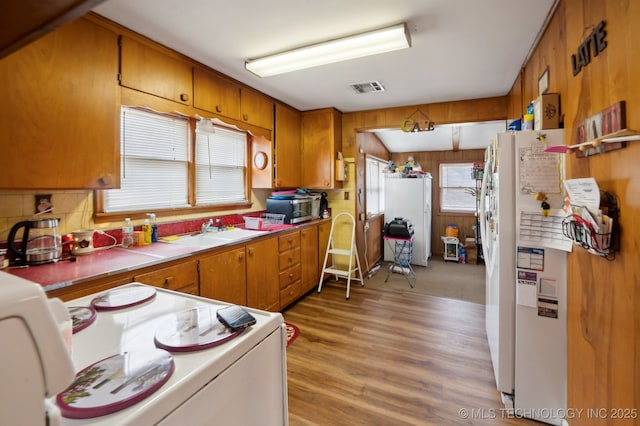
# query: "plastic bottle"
154,227
146,229
127,231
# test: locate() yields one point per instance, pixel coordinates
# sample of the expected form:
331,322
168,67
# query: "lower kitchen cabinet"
223,276
182,277
289,264
262,275
309,249
324,229
80,290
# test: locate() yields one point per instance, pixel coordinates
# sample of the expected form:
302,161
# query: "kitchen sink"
214,239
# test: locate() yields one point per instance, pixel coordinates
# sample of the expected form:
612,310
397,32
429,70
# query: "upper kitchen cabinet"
214,93
150,69
321,141
31,19
256,109
59,115
288,171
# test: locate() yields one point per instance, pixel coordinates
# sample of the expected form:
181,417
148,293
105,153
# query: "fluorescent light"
357,46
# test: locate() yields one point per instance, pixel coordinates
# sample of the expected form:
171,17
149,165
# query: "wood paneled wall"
603,323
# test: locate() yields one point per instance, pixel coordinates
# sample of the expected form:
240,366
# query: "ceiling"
461,49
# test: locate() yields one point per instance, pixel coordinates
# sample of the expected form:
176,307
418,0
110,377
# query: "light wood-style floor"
387,357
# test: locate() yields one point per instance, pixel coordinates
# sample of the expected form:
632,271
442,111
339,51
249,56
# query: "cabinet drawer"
289,258
289,241
289,276
179,277
289,294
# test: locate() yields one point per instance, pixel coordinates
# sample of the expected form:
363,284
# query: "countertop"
116,260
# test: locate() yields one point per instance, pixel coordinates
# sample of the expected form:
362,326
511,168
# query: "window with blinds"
155,160
375,185
221,160
456,188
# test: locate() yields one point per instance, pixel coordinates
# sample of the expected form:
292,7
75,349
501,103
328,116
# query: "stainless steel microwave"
295,210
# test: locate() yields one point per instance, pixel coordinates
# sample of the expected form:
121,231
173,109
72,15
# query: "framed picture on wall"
543,82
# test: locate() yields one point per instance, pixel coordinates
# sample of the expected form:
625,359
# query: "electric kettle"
40,242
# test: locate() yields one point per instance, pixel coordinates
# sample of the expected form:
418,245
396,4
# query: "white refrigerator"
410,198
525,257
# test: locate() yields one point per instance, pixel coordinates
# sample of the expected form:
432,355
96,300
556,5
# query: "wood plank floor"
387,357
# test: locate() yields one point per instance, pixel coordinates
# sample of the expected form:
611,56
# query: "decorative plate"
192,330
81,317
123,297
115,383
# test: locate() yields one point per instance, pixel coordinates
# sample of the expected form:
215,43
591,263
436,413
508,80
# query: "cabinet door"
59,115
261,162
324,229
321,140
256,109
223,276
150,70
263,290
182,277
95,286
216,94
309,257
288,144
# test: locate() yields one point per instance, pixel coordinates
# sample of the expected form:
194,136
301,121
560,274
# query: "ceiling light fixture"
357,46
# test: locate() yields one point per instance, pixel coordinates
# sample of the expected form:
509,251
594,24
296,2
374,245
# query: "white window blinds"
220,165
375,185
456,185
154,155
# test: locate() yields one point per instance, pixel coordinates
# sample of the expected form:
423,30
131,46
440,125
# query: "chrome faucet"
205,226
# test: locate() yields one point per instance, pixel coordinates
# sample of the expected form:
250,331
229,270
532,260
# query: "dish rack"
265,222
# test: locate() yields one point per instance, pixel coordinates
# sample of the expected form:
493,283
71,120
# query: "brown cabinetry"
223,276
182,277
287,149
321,141
309,250
156,71
324,229
214,93
60,101
289,249
256,109
262,275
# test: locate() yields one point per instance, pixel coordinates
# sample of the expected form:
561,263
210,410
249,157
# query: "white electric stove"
181,366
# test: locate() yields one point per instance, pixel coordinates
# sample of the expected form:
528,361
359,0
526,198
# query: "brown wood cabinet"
214,93
287,147
321,141
263,290
309,250
60,101
289,250
324,229
261,162
150,69
223,276
182,277
95,286
256,109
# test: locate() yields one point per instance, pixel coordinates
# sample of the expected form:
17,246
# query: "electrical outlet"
346,195
43,203
366,226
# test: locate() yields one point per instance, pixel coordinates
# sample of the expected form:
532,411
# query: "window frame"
381,194
439,189
100,216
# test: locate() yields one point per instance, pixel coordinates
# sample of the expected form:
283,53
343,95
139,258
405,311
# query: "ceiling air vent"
368,87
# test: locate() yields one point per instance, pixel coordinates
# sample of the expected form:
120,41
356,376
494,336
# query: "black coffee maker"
324,204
